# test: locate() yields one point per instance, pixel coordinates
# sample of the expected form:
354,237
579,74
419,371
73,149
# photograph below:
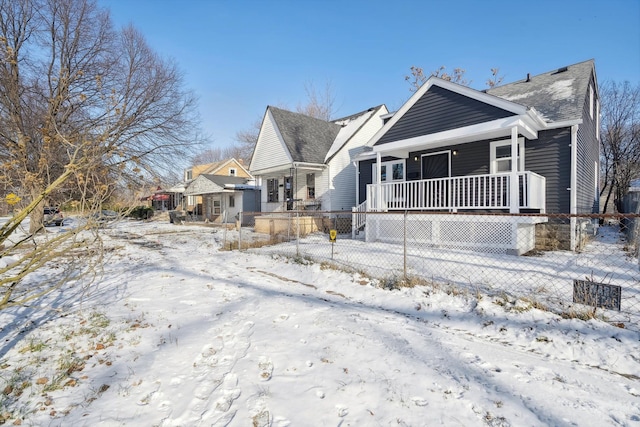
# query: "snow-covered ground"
179,333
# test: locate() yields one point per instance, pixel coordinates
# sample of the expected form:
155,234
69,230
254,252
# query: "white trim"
493,129
436,154
598,120
502,143
590,100
389,170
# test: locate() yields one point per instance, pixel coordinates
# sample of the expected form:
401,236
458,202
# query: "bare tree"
619,140
417,77
319,104
246,140
216,154
84,110
495,78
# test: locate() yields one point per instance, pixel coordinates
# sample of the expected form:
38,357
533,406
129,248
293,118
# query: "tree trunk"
37,215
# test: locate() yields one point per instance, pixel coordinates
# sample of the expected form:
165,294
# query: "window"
596,185
272,190
232,202
188,175
311,186
501,156
598,120
232,171
591,101
397,171
216,207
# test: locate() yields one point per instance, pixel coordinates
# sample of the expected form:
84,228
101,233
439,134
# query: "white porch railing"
461,192
358,218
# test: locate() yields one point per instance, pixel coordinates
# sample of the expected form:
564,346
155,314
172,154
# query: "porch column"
514,194
378,201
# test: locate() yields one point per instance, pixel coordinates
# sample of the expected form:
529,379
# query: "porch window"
501,156
272,190
311,186
216,207
232,202
396,168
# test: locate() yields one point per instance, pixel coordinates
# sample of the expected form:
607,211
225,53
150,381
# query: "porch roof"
209,184
494,129
286,168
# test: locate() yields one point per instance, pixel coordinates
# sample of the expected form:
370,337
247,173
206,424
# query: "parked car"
52,216
104,216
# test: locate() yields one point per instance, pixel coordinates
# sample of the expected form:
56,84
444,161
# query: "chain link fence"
577,266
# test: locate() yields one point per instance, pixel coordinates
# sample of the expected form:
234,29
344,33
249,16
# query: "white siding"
270,149
232,211
343,173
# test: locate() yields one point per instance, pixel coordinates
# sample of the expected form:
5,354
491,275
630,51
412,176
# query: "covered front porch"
475,192
476,171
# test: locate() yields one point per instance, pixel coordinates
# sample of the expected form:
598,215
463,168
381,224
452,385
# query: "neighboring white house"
302,162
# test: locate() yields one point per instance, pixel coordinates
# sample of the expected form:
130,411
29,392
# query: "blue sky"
240,56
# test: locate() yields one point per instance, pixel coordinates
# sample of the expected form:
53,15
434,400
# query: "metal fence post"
298,233
240,231
404,245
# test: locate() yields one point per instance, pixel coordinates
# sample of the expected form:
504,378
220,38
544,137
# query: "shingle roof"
557,95
308,139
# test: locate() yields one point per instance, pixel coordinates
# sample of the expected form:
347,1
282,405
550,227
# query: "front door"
437,191
288,192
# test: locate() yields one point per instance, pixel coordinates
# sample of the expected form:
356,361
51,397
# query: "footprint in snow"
281,318
419,401
343,411
266,368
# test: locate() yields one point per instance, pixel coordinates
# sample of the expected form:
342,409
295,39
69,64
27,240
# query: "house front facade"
224,197
529,147
304,163
230,167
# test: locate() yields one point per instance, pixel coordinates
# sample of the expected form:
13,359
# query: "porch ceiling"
489,130
284,170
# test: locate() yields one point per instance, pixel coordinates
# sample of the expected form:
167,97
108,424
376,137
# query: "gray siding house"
531,146
224,197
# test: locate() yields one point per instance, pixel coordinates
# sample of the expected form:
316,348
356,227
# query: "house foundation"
498,234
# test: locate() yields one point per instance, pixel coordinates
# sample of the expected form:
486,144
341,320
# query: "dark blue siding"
550,156
440,110
587,197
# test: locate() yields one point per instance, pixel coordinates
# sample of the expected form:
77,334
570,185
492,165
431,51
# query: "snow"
179,333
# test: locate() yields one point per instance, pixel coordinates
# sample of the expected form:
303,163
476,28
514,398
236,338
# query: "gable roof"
307,139
350,125
208,183
216,166
548,100
557,95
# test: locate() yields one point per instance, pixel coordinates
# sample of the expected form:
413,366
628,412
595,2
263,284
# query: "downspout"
378,202
514,193
573,198
356,164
